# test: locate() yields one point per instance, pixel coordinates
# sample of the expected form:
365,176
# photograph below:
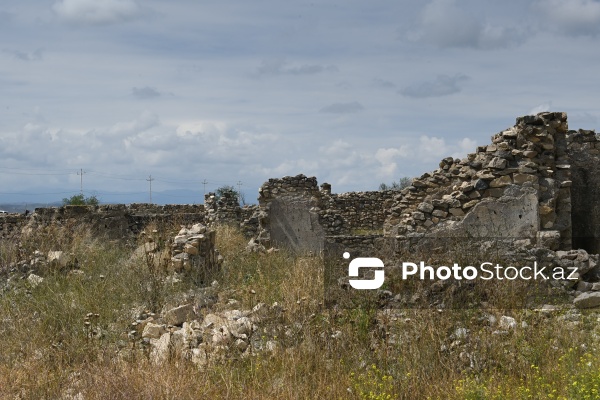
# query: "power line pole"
204,182
81,172
150,179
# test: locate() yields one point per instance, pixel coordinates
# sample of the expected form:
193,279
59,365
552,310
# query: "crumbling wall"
11,225
289,215
120,221
518,187
355,213
527,159
294,213
115,221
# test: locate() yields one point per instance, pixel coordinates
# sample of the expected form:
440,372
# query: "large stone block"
587,300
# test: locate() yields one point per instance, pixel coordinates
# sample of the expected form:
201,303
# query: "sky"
112,96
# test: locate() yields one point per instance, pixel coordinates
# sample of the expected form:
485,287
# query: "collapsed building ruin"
535,185
536,181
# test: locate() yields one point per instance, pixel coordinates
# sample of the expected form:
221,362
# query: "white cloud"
573,17
96,11
206,129
464,147
389,158
442,85
220,141
442,23
435,148
146,120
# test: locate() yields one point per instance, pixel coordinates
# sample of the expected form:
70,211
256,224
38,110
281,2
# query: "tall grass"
49,352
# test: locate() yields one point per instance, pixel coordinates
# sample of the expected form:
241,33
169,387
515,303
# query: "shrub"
80,200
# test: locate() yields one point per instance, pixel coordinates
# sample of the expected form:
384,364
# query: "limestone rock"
587,300
160,349
154,331
57,259
34,280
178,315
501,182
507,323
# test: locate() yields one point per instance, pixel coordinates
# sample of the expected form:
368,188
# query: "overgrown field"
67,337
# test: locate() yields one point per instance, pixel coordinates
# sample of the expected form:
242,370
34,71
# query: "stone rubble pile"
204,338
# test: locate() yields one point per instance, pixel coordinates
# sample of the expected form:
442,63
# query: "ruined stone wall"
117,221
11,225
120,221
296,214
357,213
289,214
536,182
526,165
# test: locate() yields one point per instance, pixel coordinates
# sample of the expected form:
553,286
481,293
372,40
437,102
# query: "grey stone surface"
587,300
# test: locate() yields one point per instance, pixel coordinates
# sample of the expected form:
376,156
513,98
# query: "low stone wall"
11,225
116,221
120,221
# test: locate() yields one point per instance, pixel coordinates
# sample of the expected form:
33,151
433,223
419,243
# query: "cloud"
464,147
146,120
145,92
443,85
388,158
343,108
443,24
280,67
35,55
98,12
572,17
431,148
225,142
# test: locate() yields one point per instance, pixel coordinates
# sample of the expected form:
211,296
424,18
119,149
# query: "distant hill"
21,207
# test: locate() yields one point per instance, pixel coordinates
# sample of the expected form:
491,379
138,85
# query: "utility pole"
81,172
150,179
204,182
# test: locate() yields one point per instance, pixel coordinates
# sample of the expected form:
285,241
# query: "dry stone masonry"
194,249
518,186
294,212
